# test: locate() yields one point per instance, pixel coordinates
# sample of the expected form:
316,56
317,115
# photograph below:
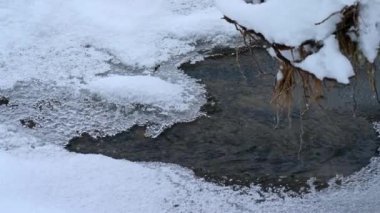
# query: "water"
237,143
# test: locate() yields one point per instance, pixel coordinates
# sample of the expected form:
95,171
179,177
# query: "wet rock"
4,100
49,104
28,123
237,142
211,107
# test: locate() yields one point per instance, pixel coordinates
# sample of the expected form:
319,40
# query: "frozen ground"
63,63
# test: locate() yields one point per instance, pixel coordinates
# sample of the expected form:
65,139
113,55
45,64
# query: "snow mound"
147,90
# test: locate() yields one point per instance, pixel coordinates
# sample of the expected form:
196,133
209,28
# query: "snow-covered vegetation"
309,36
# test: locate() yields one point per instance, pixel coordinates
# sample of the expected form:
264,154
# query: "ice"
107,105
51,52
59,64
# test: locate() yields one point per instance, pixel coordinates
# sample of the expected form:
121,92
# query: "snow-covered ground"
88,65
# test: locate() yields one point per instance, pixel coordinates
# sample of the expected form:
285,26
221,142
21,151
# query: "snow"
369,25
103,107
65,46
141,89
50,179
90,183
87,66
47,39
279,76
329,62
292,22
288,22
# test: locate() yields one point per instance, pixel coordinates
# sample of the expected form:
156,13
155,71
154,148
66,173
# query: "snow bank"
79,183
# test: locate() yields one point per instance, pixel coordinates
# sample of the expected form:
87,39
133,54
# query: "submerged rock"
28,123
237,142
4,100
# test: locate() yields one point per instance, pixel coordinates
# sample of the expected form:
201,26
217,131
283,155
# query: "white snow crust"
147,90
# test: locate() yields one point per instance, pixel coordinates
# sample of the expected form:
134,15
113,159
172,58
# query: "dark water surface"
237,142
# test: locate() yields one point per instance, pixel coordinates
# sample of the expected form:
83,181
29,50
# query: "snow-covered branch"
318,37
